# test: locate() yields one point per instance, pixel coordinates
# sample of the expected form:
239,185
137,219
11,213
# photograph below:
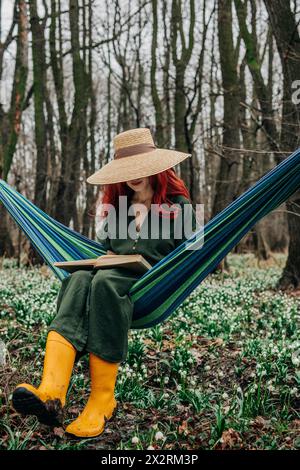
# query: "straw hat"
136,156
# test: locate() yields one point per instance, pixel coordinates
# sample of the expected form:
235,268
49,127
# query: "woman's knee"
81,276
101,279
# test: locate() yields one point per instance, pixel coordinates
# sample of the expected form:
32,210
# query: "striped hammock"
164,287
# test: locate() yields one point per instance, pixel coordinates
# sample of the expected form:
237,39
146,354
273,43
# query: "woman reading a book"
94,310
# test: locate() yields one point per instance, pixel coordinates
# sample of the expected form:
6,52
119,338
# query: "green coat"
94,311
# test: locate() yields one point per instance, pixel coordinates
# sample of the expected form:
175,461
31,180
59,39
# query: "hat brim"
137,166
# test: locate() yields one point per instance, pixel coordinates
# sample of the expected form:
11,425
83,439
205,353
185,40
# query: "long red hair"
165,185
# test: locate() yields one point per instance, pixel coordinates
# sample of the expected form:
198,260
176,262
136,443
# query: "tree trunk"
10,122
180,104
254,63
159,114
285,30
77,142
227,178
90,168
39,89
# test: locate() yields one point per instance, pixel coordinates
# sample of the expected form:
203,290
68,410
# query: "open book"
136,263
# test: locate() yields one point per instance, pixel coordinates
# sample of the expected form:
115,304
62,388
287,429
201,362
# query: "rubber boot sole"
49,412
114,413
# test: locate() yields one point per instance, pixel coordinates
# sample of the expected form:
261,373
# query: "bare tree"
181,62
286,32
226,186
10,121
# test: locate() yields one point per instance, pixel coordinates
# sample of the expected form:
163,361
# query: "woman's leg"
101,404
47,401
71,320
66,334
110,315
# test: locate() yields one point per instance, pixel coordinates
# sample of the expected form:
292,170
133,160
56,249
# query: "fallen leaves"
261,423
183,428
74,410
45,271
295,424
59,432
230,439
293,293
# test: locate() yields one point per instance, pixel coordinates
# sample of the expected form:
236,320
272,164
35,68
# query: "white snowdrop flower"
207,367
166,380
179,387
135,440
294,391
159,435
295,359
225,395
150,448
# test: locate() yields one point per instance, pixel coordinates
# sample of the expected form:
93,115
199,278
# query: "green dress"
94,310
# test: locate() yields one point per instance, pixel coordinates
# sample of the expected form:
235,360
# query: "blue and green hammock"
164,287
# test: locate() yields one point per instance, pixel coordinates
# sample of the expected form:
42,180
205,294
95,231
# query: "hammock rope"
164,287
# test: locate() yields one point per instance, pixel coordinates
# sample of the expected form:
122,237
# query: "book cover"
134,262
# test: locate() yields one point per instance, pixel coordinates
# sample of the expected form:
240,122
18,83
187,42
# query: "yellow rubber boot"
101,405
47,401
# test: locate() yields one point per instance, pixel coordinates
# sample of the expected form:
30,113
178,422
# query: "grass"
222,373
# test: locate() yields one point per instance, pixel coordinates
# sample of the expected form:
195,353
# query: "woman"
94,310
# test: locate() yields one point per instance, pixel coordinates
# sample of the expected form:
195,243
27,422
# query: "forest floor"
223,372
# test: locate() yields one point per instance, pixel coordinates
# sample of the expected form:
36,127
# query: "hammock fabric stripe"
163,288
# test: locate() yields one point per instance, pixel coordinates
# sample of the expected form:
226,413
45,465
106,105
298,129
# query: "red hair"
165,185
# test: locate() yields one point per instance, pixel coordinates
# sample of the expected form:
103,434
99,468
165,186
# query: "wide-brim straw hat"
136,156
